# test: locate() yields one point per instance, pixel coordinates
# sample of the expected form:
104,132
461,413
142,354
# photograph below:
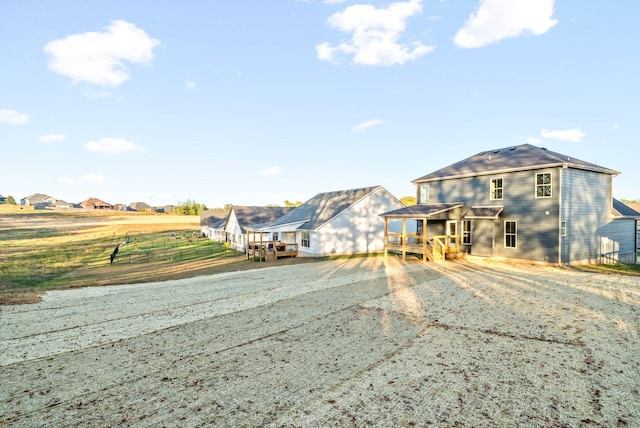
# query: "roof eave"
524,168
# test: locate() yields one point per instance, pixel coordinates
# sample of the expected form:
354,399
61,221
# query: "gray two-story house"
522,202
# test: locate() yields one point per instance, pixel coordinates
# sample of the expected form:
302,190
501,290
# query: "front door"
452,231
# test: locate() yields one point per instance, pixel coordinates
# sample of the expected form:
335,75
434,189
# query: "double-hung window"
510,234
424,193
543,185
496,189
306,240
466,232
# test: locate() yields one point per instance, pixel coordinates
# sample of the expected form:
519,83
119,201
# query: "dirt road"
361,342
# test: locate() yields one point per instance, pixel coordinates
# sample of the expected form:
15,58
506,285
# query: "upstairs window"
543,185
496,188
424,193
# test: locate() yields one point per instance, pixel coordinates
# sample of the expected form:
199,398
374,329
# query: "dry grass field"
44,250
351,342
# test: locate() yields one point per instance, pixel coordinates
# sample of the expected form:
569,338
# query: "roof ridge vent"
513,148
496,151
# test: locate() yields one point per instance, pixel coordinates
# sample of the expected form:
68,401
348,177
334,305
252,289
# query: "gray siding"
617,241
537,218
586,207
482,237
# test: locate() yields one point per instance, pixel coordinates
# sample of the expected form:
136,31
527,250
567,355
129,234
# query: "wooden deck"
271,250
436,249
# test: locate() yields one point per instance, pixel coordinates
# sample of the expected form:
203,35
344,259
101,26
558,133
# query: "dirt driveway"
361,342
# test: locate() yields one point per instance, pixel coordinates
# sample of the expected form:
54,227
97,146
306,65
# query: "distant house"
140,207
60,204
96,204
331,223
241,217
37,200
3,199
166,209
212,223
521,202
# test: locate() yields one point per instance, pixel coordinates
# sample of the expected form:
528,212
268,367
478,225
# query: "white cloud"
12,117
49,138
533,140
615,126
574,135
190,85
113,146
98,57
93,178
375,34
496,20
368,124
274,170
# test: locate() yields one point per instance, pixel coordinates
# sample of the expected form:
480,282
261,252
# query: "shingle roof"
248,216
323,207
521,157
620,209
421,210
483,212
214,217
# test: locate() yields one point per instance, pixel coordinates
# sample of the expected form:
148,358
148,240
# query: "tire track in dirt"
125,355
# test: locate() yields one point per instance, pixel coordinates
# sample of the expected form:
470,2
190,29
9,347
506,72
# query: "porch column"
386,236
424,239
404,239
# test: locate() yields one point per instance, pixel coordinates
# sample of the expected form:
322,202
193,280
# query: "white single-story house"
341,222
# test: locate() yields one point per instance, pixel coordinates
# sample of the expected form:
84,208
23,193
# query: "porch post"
247,246
404,239
386,235
424,239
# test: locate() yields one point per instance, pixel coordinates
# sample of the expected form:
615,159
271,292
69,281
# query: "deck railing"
435,249
271,250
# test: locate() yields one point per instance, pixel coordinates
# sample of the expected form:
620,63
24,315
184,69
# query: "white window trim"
535,184
491,188
424,200
302,240
462,232
504,241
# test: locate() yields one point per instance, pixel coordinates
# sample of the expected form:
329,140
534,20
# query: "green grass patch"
617,268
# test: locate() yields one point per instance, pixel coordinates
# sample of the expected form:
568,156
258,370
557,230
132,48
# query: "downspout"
560,216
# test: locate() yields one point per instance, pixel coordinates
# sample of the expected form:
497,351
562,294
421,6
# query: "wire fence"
176,246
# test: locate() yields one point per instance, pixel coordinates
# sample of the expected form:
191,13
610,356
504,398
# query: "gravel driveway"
360,342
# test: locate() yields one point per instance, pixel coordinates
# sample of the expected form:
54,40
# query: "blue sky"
258,102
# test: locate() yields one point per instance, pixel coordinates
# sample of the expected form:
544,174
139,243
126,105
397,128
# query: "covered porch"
432,246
